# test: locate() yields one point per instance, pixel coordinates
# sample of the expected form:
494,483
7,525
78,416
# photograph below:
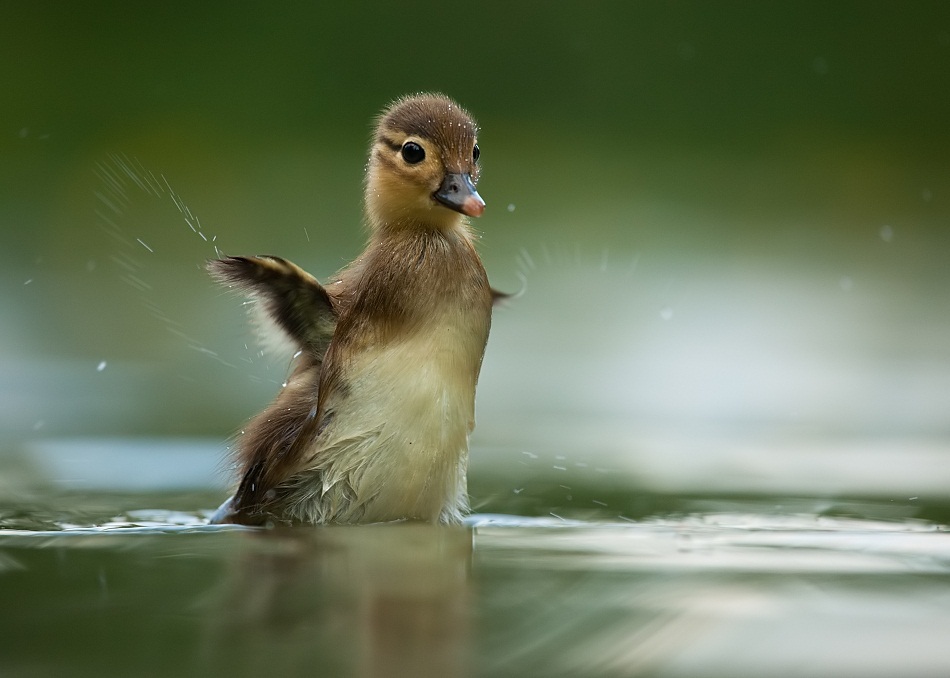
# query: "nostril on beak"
458,193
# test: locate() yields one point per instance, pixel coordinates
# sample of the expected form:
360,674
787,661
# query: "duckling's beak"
458,193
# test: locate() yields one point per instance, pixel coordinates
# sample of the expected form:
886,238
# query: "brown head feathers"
424,158
435,118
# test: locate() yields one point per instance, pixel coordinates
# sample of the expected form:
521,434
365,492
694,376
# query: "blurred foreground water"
159,593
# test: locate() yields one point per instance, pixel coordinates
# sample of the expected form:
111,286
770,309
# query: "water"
161,593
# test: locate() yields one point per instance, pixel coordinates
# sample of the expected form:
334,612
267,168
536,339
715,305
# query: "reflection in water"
726,595
701,595
606,624
374,601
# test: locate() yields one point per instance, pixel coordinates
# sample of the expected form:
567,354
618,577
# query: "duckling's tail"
291,299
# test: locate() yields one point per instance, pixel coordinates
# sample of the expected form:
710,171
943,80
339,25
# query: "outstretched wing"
273,442
291,298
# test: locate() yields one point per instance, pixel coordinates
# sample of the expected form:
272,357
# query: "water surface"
161,593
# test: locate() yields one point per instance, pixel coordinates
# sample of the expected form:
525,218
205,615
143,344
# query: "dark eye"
412,152
475,153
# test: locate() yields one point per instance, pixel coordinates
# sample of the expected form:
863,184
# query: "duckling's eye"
413,153
475,153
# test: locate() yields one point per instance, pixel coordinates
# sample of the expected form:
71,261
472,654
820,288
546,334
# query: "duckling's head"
423,165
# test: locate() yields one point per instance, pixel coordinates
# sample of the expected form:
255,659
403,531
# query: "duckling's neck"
422,249
409,270
437,220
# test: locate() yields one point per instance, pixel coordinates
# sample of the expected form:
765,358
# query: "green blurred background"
731,220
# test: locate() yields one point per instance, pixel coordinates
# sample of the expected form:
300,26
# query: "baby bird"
373,422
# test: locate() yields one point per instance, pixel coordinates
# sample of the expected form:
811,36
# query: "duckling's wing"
291,298
296,304
498,297
270,448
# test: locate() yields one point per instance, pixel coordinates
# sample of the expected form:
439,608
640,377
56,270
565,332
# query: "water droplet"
886,233
101,366
511,207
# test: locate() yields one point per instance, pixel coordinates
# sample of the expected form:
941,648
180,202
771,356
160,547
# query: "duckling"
373,422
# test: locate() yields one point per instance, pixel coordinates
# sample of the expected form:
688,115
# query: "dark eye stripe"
389,142
384,159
